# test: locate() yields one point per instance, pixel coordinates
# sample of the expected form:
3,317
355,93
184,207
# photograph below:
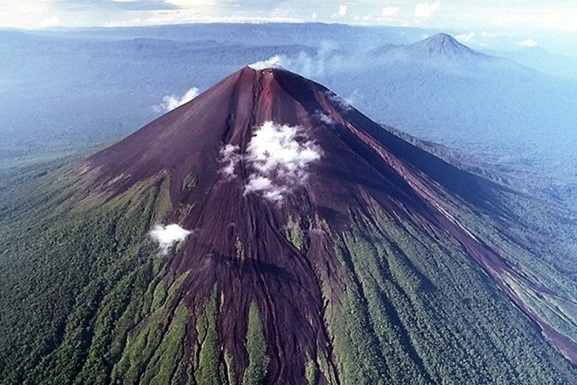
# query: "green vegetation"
74,281
231,378
312,372
540,244
256,345
153,351
208,368
189,182
295,234
404,316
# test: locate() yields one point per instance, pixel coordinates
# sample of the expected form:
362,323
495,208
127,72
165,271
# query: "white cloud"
314,66
340,102
30,14
170,102
280,156
481,39
466,37
200,16
275,194
389,11
426,9
529,43
324,118
275,148
230,157
51,21
556,15
273,62
167,236
326,59
258,183
350,100
556,18
488,34
265,186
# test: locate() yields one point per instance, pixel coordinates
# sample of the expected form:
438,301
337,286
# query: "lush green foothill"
418,312
76,276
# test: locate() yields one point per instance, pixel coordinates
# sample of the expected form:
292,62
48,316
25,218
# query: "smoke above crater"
170,102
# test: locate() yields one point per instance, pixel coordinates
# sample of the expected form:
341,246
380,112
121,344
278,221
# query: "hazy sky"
492,15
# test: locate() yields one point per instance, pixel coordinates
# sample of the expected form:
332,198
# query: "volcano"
316,247
444,46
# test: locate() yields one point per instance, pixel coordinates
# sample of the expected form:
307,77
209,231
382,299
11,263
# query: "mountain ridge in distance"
444,46
506,112
322,249
446,54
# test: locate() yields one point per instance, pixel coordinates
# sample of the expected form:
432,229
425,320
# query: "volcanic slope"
323,249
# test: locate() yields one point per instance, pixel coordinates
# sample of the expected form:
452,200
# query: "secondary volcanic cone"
323,247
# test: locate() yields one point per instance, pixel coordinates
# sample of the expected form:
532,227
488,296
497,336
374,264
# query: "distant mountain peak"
442,38
444,46
443,52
